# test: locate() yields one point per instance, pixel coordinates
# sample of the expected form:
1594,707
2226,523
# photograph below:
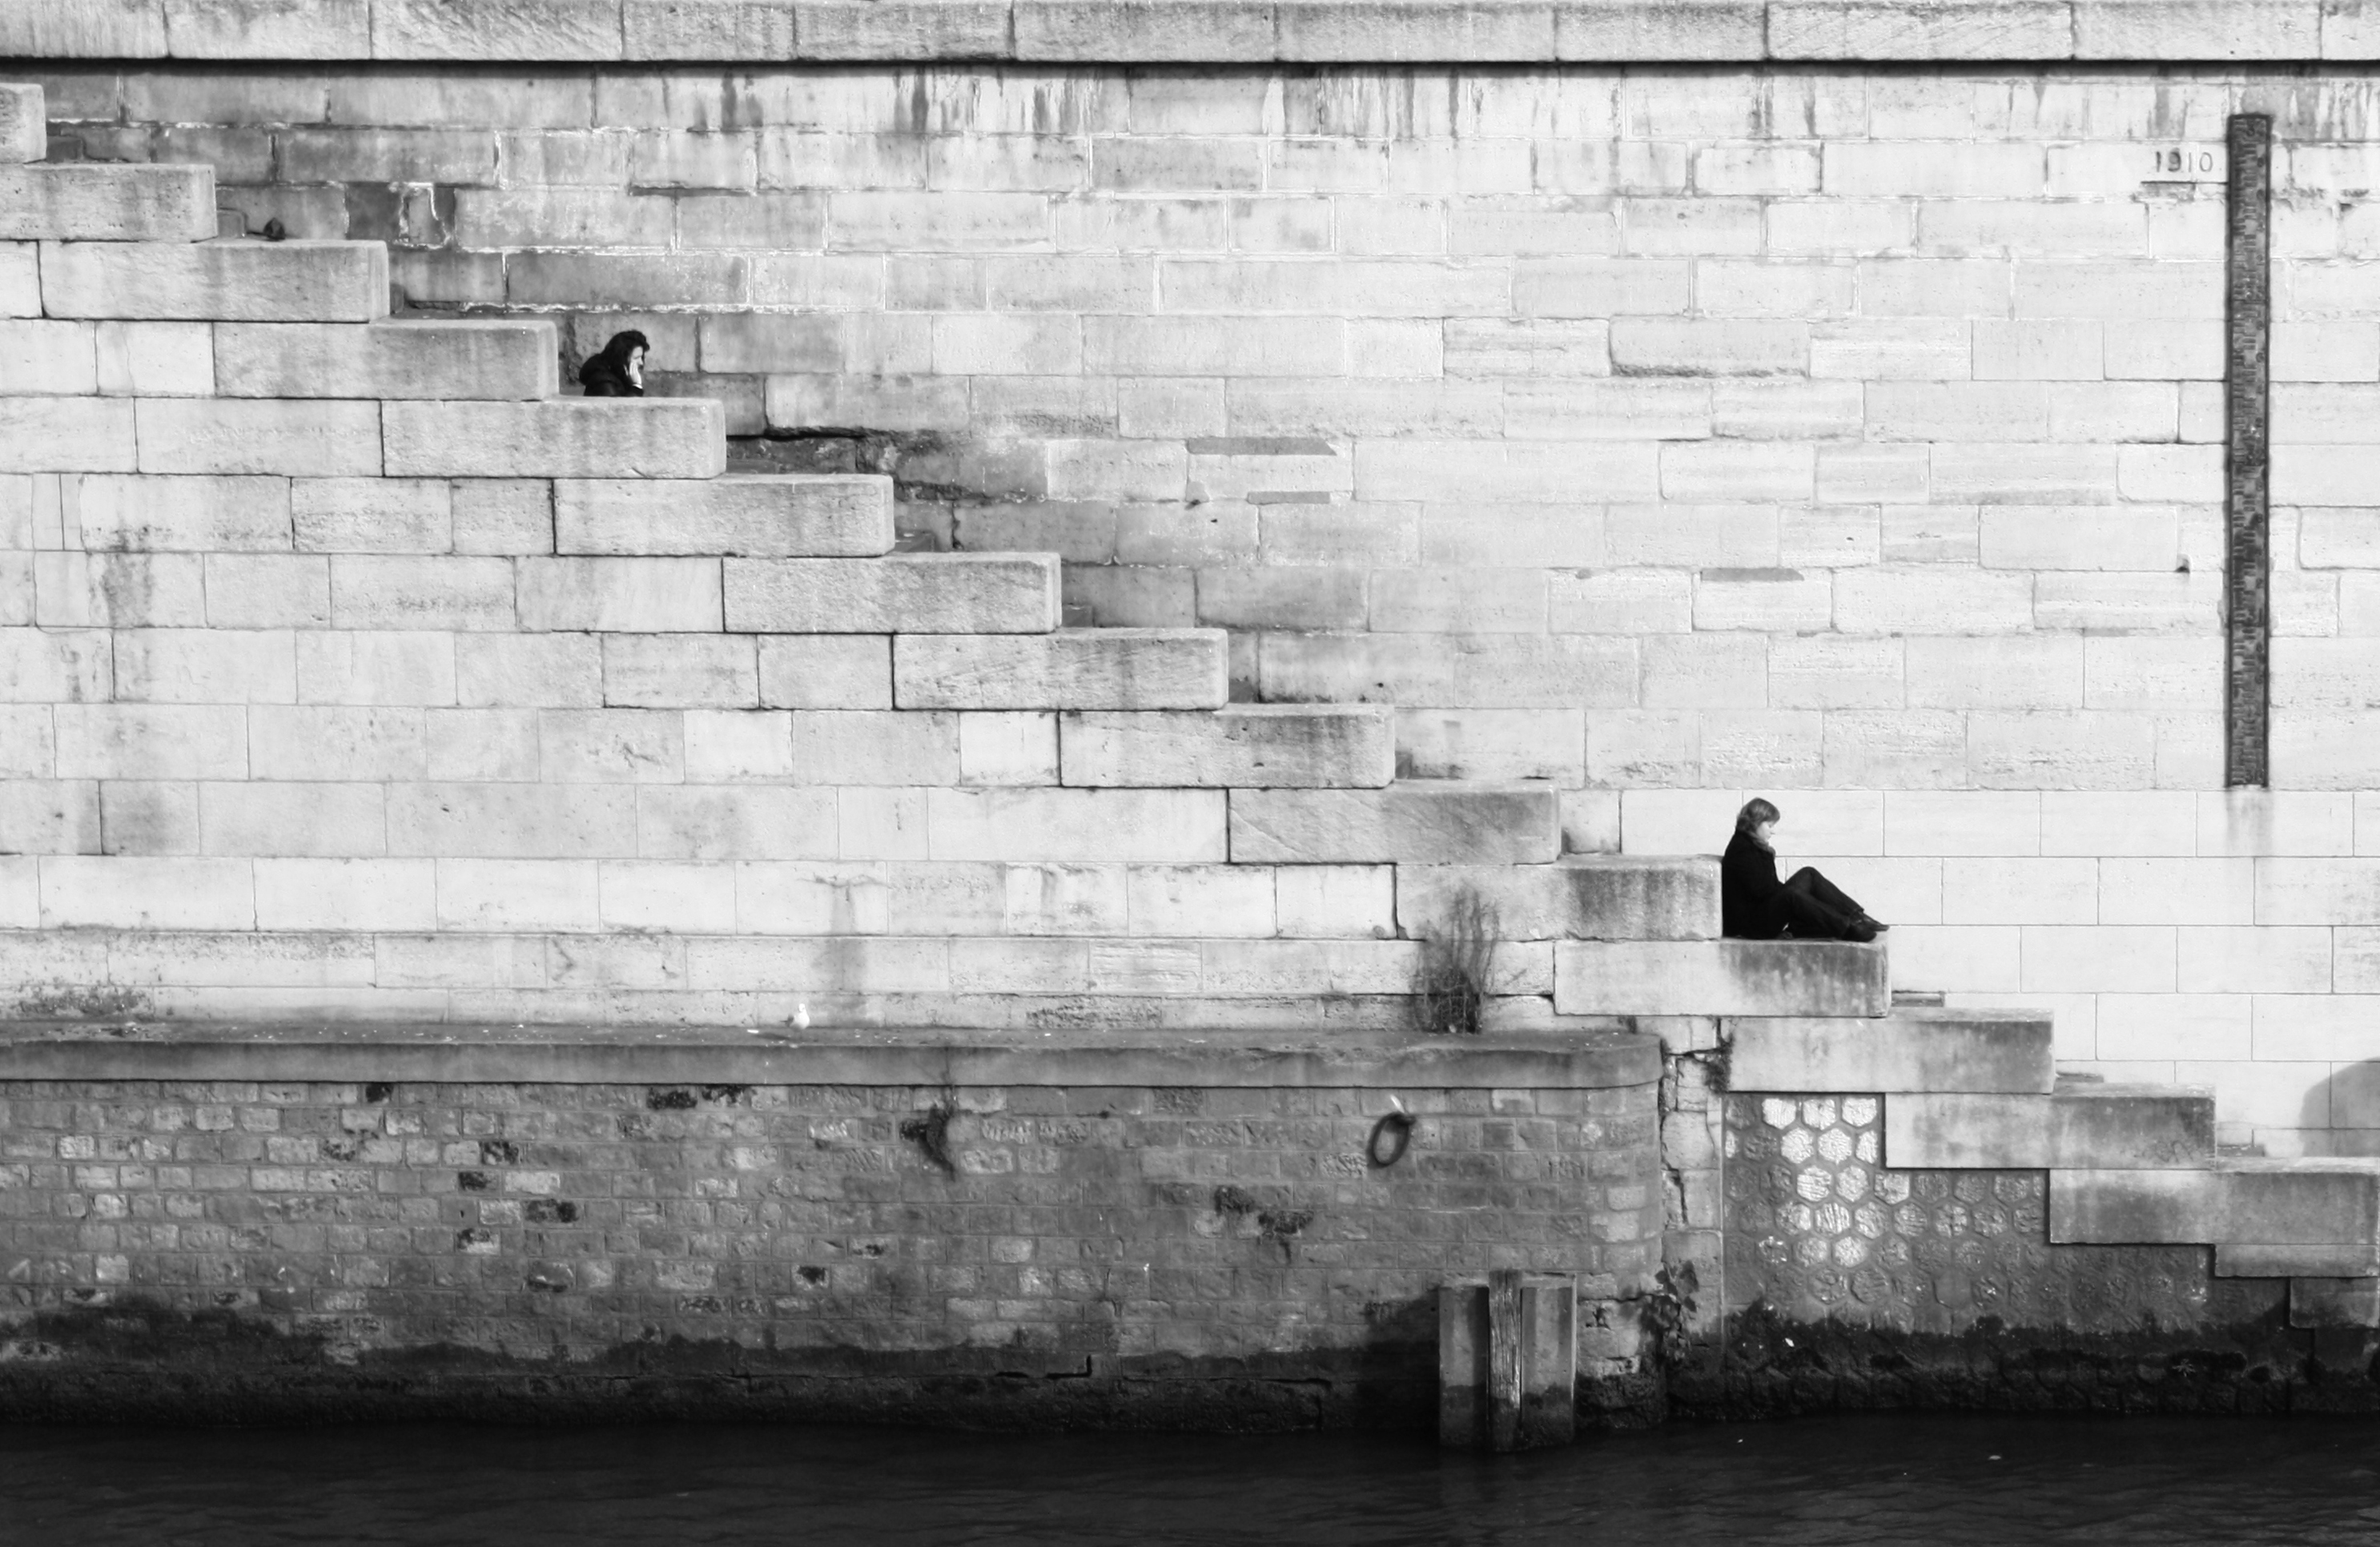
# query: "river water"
1895,1480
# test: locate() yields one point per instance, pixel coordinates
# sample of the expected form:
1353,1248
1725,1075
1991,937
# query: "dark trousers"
1817,909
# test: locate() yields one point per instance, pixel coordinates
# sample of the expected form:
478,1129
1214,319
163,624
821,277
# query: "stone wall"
192,1225
1659,434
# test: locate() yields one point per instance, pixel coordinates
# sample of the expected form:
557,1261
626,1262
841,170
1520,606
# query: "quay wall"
1085,1234
1660,433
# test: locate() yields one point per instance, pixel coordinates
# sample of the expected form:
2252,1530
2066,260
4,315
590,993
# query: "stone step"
2333,1302
1414,822
2234,1260
901,593
24,125
1721,977
1908,1050
1073,669
1581,897
560,438
1291,747
513,357
63,201
2297,1202
761,516
216,281
2140,1128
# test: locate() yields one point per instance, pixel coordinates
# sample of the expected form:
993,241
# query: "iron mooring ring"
1401,1126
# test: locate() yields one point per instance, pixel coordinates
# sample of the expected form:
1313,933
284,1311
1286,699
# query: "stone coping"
587,1055
1197,31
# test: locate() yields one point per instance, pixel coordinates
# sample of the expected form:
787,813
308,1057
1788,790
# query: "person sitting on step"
619,370
1755,905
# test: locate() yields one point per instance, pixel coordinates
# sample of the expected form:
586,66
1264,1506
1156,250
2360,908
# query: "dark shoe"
1859,931
1877,925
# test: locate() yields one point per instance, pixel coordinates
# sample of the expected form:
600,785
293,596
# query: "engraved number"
2180,161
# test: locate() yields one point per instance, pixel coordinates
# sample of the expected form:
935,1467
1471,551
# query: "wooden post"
1508,1361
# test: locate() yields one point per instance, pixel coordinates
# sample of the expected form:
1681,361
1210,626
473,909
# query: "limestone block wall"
1655,434
1904,544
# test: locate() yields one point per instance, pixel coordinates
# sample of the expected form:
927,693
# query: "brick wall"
1220,1255
1660,434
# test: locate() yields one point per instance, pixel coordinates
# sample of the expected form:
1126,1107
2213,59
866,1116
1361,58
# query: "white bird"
802,1017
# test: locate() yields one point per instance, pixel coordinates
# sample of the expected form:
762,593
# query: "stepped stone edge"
1256,32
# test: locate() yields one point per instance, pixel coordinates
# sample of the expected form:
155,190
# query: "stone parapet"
1201,31
929,1057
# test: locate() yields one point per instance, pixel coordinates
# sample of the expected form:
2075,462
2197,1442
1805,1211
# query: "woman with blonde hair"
1755,905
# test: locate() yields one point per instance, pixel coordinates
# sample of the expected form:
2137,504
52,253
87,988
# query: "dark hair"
1755,811
624,344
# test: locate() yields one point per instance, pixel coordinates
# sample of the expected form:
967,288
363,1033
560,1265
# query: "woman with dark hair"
619,370
1755,905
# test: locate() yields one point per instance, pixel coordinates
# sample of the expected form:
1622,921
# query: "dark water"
1861,1479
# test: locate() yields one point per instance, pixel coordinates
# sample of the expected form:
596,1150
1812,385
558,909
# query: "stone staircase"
802,744
2127,1165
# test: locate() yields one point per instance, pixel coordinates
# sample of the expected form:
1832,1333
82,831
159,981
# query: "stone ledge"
646,1056
1205,31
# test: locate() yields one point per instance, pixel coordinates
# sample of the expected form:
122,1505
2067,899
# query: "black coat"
604,377
1751,898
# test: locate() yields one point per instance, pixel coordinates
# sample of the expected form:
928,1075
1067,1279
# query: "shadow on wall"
2340,1114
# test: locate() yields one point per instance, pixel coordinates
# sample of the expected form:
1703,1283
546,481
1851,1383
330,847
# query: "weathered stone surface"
1599,896
623,596
1911,1049
71,202
2101,1127
292,438
268,29
238,282
932,593
1414,823
2264,1203
83,29
1073,669
2238,1260
67,435
24,128
793,515
1814,978
2333,1302
561,438
512,358
480,30
1250,746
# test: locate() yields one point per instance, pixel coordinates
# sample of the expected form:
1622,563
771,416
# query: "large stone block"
43,359
561,438
1326,747
1410,823
2254,1203
1598,897
512,358
24,126
927,593
78,202
2138,1128
1073,669
544,31
1721,977
67,435
193,515
230,282
297,439
623,596
1911,1049
2234,1260
1154,825
793,515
